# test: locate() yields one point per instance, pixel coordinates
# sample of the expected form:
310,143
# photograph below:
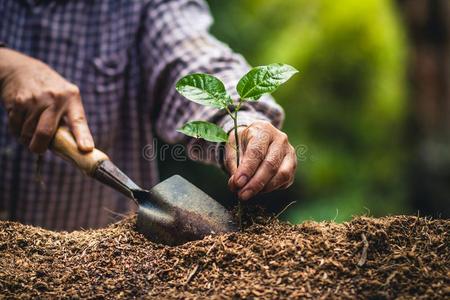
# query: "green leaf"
204,130
263,79
204,89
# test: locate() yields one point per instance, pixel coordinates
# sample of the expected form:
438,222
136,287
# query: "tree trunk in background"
428,28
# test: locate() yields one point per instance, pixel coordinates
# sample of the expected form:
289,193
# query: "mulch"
392,257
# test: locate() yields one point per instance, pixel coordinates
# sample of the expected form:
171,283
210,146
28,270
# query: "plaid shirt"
125,56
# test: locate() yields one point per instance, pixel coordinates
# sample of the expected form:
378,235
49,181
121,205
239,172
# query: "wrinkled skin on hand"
36,99
267,160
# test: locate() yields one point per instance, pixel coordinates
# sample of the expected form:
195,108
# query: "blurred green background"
346,110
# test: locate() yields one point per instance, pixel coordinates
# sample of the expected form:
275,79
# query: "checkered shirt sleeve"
177,43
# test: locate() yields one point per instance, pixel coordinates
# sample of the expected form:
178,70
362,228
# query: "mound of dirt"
393,257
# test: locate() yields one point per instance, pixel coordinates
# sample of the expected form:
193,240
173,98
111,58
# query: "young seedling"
208,90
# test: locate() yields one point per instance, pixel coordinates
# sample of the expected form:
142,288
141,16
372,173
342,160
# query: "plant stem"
237,149
236,137
234,116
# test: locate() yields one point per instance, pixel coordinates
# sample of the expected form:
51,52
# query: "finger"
76,120
28,127
45,130
255,152
231,185
284,176
267,169
230,165
230,159
16,119
285,186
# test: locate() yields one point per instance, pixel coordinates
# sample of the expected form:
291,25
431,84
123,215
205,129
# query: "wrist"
6,62
10,61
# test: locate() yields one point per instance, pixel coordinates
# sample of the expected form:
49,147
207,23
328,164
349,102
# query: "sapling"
208,90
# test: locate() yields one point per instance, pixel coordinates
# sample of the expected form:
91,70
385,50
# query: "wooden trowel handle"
64,145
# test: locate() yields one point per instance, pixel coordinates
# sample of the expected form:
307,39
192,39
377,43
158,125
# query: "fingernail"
246,195
242,181
87,143
230,180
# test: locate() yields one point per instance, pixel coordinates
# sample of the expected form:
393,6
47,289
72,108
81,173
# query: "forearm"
178,43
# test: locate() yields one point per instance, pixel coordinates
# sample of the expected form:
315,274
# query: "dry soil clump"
394,257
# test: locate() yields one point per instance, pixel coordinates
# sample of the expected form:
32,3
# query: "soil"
392,257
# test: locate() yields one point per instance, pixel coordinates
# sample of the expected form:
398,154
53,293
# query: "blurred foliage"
346,110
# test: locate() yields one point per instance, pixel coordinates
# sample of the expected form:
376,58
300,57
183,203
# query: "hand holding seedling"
268,161
259,156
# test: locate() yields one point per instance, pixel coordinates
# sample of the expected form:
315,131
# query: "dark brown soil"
394,257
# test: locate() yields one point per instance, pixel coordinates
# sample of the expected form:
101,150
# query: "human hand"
267,161
36,98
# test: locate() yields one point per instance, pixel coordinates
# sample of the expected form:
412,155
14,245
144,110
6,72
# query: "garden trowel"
172,212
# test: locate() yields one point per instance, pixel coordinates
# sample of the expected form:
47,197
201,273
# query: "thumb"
230,161
77,122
